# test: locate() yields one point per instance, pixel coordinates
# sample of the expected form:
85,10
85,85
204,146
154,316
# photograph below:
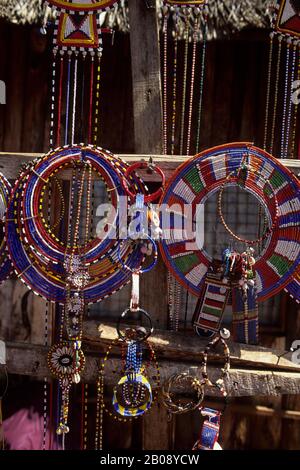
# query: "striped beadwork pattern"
38,256
211,305
203,175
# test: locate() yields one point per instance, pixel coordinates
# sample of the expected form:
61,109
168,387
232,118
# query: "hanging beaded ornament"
66,362
221,338
5,192
193,16
41,260
210,430
125,392
174,390
202,176
286,28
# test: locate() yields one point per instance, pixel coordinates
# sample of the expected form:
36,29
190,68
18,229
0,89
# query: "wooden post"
145,62
147,109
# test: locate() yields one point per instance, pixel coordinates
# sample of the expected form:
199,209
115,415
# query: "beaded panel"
288,18
186,3
73,30
201,177
82,6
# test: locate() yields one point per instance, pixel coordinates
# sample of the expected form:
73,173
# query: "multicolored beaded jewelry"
202,176
221,337
286,28
189,12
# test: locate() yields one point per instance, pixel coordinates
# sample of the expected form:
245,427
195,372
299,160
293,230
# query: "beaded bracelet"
184,381
235,176
140,270
100,388
140,334
139,166
220,338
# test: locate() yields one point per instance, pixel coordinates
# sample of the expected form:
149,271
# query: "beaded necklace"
202,176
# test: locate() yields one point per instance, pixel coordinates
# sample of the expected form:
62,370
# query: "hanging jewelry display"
286,29
210,430
193,15
220,338
5,264
201,176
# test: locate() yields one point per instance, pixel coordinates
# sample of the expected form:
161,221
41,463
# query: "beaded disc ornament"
5,264
201,177
41,259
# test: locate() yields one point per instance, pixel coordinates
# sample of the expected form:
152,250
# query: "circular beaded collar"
203,175
38,258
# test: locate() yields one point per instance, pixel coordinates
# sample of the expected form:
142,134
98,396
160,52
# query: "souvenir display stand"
133,367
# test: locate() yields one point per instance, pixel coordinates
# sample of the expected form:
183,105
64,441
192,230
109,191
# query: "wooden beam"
10,163
180,347
31,360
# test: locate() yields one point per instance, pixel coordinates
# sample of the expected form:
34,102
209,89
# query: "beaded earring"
77,39
134,394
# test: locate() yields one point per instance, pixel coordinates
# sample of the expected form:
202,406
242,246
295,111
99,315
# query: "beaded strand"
276,94
285,99
174,91
290,103
201,87
185,67
270,62
53,93
165,81
195,36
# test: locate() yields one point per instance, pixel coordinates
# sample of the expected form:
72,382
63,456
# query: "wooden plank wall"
234,103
